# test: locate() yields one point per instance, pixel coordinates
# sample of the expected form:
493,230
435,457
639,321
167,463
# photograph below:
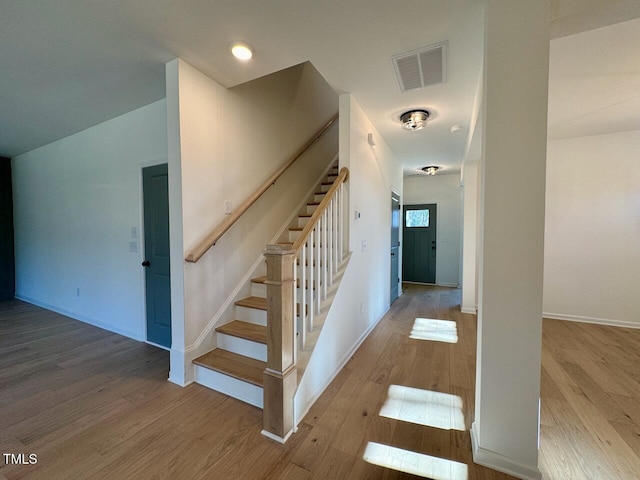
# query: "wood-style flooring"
94,405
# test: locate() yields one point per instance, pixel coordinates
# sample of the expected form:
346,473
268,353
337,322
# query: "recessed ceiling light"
242,51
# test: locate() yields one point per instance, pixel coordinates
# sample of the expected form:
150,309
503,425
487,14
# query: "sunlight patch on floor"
424,407
414,463
435,330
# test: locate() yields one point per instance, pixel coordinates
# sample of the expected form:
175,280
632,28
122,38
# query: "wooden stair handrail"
211,240
343,176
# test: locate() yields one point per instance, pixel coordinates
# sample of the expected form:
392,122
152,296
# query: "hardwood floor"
92,404
590,389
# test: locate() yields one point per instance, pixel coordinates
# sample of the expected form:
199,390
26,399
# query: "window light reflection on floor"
436,330
414,463
424,407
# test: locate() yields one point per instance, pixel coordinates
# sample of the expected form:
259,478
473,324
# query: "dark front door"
155,188
395,244
419,243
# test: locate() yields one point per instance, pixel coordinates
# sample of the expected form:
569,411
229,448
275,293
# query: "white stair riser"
318,198
293,235
247,392
259,290
251,315
324,188
311,208
301,221
242,346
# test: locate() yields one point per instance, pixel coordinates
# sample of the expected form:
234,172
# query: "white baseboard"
81,318
597,321
178,383
472,311
498,462
276,438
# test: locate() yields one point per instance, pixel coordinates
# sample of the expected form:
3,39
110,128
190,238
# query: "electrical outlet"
227,207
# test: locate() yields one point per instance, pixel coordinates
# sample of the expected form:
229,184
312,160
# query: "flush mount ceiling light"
414,120
242,51
430,170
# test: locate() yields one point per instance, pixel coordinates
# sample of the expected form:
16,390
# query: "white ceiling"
594,81
70,64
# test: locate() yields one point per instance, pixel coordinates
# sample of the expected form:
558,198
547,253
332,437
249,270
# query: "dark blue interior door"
395,244
155,186
419,244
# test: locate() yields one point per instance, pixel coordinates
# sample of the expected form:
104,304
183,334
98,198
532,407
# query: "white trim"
81,318
157,345
471,311
177,369
444,284
172,380
597,321
275,437
332,376
247,277
496,461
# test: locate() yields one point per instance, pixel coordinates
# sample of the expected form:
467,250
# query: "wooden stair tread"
305,215
234,365
248,331
261,279
259,303
313,203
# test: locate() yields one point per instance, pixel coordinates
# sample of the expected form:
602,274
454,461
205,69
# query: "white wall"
504,433
592,229
470,240
229,142
445,191
363,297
75,202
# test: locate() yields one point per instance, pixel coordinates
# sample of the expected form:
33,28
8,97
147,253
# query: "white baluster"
318,240
300,296
341,223
308,304
325,260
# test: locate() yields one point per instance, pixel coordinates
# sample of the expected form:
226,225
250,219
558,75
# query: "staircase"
236,366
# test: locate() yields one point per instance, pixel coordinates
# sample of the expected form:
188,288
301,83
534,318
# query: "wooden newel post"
280,377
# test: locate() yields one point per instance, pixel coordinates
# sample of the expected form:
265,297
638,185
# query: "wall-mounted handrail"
343,176
221,229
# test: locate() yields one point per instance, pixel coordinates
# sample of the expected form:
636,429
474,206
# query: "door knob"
146,263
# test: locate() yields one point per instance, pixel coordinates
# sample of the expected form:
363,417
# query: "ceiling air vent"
419,68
